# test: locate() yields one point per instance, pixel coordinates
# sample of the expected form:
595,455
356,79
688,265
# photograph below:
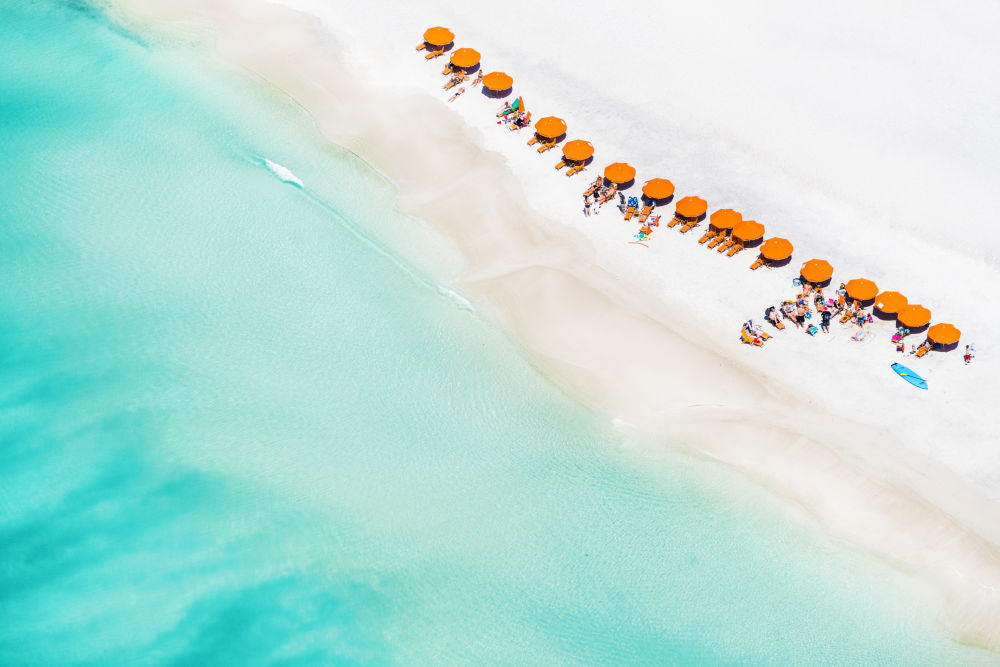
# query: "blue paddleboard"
909,376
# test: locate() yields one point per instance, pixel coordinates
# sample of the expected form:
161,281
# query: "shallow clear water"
236,430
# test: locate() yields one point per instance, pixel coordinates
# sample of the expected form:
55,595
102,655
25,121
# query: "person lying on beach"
505,111
788,310
772,315
457,93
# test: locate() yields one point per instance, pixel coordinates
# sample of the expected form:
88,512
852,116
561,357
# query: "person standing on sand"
825,323
968,355
586,208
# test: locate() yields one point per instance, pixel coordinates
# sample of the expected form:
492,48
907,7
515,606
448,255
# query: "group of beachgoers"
514,116
800,310
456,77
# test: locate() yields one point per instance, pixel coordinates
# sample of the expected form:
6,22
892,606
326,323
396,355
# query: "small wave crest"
284,173
456,298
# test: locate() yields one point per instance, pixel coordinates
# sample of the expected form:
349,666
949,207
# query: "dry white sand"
650,338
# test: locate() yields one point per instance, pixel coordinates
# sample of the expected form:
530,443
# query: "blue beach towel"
812,330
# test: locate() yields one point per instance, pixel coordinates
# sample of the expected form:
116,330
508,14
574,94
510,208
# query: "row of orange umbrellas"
693,208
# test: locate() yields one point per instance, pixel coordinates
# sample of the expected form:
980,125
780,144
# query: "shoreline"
548,287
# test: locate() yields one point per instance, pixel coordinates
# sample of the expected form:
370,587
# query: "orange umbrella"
725,218
914,316
465,58
816,271
658,188
619,172
861,289
551,127
890,303
439,36
577,150
943,334
692,208
776,249
498,81
748,231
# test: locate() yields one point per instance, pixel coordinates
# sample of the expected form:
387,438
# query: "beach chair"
645,230
848,314
675,221
454,82
778,324
561,164
629,212
449,69
730,242
763,335
433,54
532,140
577,168
759,262
547,146
421,46
706,236
646,210
688,226
750,340
923,349
717,240
735,249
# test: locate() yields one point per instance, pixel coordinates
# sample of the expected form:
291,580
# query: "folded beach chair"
645,213
735,249
546,146
532,140
730,242
759,262
629,212
578,167
434,54
717,240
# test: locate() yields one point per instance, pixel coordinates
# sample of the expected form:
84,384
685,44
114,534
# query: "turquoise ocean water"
235,429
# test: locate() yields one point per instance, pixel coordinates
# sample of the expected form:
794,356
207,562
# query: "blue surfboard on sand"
909,376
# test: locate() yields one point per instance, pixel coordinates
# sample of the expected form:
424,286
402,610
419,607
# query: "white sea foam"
283,173
456,298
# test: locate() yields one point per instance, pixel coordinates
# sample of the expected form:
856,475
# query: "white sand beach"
868,147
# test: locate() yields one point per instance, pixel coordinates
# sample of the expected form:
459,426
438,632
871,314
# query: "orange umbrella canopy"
658,188
619,172
776,249
914,316
748,230
439,36
725,218
498,81
551,127
861,289
890,302
465,58
692,207
943,334
578,150
816,271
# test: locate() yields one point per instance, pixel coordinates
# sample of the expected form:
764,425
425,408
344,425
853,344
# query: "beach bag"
812,330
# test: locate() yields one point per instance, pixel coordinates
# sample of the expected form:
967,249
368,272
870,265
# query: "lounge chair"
561,164
757,264
448,70
848,314
645,230
735,249
674,221
923,349
434,54
717,240
591,190
546,146
421,46
645,213
730,242
706,236
629,212
578,167
532,140
689,226
779,325
750,340
454,82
